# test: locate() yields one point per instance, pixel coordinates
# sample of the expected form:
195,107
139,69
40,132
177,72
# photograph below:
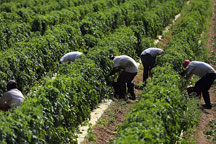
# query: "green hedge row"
29,61
23,23
28,24
43,22
16,32
161,114
40,6
65,102
153,17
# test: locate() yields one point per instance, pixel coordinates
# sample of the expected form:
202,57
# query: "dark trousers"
120,86
203,85
148,62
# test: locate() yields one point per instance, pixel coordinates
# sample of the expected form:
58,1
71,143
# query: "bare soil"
208,114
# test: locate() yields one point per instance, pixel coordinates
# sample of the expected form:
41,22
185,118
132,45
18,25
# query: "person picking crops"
129,69
148,57
70,57
12,98
207,76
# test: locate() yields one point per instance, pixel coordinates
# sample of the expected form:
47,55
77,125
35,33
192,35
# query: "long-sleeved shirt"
13,98
198,68
71,56
152,51
125,62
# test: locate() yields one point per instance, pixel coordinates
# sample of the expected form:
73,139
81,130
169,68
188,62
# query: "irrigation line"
166,29
95,115
169,26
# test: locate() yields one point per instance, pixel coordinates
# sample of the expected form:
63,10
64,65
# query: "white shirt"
125,62
152,51
199,68
13,97
71,56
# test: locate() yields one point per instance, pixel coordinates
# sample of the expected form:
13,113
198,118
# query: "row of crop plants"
163,112
21,31
21,24
40,6
54,108
29,60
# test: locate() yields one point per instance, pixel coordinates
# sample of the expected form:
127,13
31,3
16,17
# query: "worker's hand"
182,73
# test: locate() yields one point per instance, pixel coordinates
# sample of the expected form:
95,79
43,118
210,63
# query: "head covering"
111,57
186,62
11,84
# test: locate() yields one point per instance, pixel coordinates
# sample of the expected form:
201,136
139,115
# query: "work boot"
207,106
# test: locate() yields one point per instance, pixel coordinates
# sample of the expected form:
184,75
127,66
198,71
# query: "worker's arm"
160,53
188,76
187,72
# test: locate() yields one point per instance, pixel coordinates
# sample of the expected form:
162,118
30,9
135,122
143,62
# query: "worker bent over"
130,70
148,57
70,57
207,76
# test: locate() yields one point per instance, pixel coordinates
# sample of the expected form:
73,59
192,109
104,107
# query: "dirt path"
208,114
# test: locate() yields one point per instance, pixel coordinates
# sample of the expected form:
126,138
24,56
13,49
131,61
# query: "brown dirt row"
208,114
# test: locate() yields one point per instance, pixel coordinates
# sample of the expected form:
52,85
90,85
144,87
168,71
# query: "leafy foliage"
163,110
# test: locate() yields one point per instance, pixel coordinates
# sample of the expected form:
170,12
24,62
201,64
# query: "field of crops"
34,34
